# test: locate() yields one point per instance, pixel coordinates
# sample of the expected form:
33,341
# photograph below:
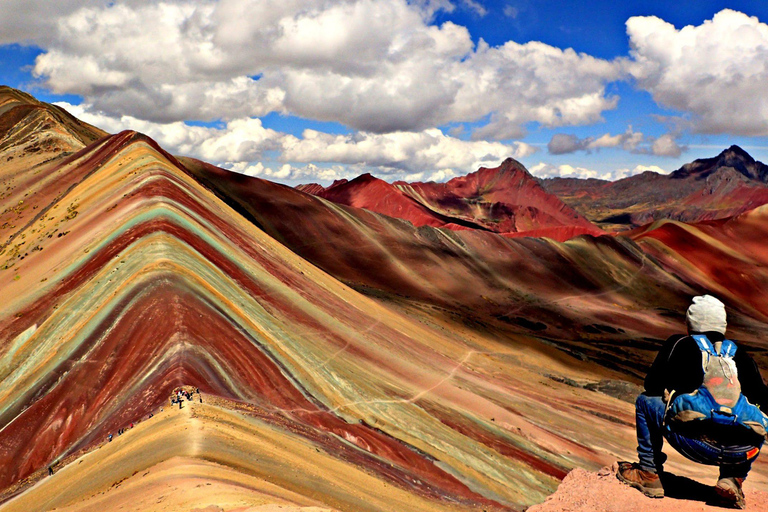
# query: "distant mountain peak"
738,151
509,161
509,173
734,157
509,165
364,178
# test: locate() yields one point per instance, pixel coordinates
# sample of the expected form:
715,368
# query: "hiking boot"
730,493
644,481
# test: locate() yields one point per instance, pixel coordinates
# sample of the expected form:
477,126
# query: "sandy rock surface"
585,491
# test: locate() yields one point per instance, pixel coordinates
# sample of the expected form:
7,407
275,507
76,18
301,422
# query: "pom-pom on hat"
706,313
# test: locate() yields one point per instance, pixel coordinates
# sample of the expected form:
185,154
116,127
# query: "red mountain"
712,188
505,199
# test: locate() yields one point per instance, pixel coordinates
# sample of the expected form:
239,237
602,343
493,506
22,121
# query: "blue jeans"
734,461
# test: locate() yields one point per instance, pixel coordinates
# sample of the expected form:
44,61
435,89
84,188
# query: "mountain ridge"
728,184
505,199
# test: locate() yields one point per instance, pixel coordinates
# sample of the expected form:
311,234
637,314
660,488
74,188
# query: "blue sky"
423,89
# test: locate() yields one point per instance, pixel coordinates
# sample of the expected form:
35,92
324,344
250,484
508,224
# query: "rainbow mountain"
339,359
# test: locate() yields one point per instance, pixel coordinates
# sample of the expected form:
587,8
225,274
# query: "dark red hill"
712,188
504,199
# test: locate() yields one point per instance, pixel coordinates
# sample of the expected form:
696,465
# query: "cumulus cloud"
241,144
628,141
288,172
715,71
24,21
402,151
634,142
667,145
545,170
240,140
374,65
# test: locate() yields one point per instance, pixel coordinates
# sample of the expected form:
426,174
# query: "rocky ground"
585,491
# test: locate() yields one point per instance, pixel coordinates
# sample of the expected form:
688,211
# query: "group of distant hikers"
121,431
181,394
706,397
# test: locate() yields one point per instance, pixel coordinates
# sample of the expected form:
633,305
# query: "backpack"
718,404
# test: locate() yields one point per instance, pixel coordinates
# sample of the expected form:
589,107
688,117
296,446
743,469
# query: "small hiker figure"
50,470
110,438
180,404
201,398
197,390
131,425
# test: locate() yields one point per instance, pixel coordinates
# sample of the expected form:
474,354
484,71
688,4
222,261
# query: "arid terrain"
466,356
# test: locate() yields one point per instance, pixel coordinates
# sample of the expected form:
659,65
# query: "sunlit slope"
33,132
728,257
155,283
207,455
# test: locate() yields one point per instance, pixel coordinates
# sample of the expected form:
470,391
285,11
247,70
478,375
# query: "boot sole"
651,493
730,499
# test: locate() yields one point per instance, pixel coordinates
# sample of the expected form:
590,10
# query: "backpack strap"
707,350
704,344
728,349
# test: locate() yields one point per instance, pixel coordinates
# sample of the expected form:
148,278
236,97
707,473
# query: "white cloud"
240,140
240,143
374,65
626,173
715,71
532,82
667,145
545,170
628,141
287,172
442,175
439,176
428,150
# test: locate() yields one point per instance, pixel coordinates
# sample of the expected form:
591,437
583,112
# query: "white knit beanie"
706,313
